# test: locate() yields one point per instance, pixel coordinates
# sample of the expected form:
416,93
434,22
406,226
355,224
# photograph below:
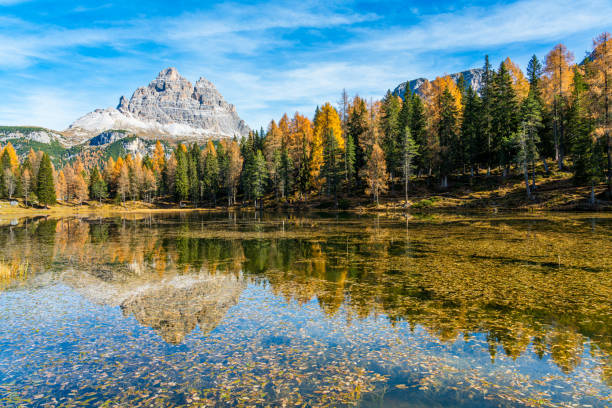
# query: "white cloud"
48,107
257,63
474,28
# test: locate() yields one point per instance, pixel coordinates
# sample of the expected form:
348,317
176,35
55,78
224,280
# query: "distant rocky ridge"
472,77
170,106
35,134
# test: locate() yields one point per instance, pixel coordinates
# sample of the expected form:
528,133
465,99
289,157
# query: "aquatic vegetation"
12,271
242,310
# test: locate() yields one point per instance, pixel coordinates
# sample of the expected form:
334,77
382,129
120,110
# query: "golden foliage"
375,173
519,82
599,79
326,121
558,76
12,155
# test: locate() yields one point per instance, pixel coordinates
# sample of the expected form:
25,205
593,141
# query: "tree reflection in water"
528,284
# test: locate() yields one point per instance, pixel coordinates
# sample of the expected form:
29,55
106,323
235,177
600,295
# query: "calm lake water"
249,309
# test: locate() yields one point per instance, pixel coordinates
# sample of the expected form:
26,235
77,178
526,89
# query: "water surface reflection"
243,309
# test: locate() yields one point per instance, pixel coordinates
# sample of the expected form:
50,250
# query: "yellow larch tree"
327,120
557,83
300,138
599,79
12,155
284,125
159,158
519,82
273,141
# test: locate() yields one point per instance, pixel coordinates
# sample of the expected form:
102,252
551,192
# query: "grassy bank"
555,192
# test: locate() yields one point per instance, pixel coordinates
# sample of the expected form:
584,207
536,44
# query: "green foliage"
182,175
45,188
259,176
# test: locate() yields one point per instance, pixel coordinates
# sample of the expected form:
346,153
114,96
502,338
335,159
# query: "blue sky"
60,59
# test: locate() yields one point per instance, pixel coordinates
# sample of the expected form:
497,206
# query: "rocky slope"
472,77
169,106
34,134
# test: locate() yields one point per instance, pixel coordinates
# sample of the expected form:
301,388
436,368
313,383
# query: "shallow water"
308,310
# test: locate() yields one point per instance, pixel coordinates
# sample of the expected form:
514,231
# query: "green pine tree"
410,152
181,182
260,177
98,190
391,138
418,131
471,132
588,154
45,188
331,165
450,148
486,113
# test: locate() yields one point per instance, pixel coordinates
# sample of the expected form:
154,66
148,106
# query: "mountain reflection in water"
524,285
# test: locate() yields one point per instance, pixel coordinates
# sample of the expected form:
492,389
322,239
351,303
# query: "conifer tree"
410,152
390,127
448,136
358,127
331,168
526,139
26,183
471,132
505,116
260,177
193,173
211,172
181,181
375,173
234,168
588,153
599,80
97,186
557,85
349,160
486,114
45,188
418,131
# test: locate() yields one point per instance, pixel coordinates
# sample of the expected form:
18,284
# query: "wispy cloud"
266,58
477,27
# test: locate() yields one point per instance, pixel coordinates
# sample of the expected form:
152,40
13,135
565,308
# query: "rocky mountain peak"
169,106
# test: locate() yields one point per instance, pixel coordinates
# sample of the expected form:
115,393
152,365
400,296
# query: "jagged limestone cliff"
170,106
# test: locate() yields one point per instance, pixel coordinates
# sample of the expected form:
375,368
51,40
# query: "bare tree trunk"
444,183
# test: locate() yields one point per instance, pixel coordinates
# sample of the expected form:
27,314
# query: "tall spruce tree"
181,182
418,131
505,117
409,153
450,149
471,131
391,140
588,154
486,114
260,177
331,167
45,188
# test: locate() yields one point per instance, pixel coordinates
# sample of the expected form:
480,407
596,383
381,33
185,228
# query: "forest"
447,132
